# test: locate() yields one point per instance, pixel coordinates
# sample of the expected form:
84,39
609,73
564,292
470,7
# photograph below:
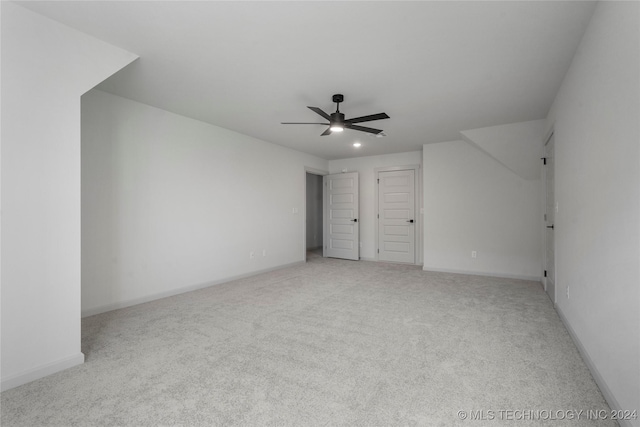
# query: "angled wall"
515,145
474,203
46,67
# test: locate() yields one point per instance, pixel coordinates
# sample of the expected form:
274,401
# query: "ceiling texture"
437,68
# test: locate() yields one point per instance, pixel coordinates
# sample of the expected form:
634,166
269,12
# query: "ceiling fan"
337,122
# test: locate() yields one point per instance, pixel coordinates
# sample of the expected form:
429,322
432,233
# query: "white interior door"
550,266
396,216
341,230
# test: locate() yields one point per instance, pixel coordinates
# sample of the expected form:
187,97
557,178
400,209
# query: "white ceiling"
437,68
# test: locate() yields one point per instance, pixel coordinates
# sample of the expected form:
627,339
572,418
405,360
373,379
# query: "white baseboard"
602,384
481,273
377,260
123,304
41,371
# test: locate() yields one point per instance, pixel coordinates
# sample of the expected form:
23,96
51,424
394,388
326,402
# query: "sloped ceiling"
436,68
517,146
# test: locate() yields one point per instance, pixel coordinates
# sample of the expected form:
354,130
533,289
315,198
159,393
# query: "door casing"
419,212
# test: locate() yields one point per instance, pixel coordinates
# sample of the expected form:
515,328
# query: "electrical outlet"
474,254
264,252
251,255
567,292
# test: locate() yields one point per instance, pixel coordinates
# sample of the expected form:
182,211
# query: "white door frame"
546,268
417,209
313,171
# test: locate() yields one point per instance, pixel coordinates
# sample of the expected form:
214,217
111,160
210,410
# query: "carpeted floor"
331,342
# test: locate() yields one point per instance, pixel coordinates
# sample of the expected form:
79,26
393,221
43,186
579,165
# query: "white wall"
314,211
597,132
365,166
474,203
45,69
170,203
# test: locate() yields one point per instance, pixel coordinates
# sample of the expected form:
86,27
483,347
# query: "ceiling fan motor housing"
337,118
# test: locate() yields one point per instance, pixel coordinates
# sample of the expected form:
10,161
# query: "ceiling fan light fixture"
337,121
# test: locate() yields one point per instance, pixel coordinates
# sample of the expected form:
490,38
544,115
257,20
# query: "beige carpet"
331,342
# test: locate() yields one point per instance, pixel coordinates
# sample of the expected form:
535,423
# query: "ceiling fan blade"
319,111
362,128
326,132
303,123
369,118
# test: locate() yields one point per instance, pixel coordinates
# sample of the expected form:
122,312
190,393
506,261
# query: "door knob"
550,226
410,220
355,220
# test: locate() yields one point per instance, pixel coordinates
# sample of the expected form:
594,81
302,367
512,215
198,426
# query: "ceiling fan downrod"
338,98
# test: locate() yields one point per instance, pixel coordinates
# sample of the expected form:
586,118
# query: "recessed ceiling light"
357,144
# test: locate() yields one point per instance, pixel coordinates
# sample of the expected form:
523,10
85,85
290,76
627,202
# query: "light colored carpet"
331,342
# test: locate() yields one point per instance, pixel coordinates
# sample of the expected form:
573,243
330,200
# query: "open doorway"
314,218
